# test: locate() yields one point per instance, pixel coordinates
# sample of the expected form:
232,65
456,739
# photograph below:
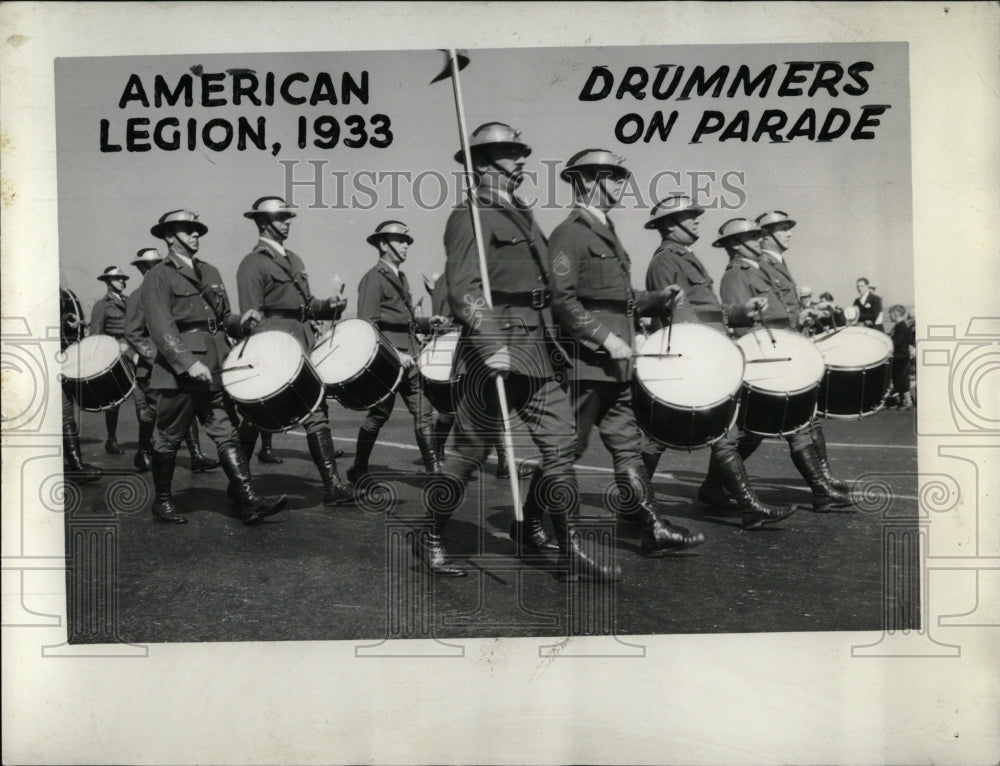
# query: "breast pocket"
508,237
602,267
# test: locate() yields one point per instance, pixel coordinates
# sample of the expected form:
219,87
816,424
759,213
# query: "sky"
851,199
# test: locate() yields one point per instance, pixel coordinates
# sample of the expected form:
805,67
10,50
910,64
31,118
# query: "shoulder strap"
295,282
402,294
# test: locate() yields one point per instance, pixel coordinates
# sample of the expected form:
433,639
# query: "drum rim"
298,370
97,337
858,368
426,349
297,423
379,339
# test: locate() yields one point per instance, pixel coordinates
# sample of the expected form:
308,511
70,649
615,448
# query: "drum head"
436,361
798,365
707,370
345,351
274,360
91,356
854,348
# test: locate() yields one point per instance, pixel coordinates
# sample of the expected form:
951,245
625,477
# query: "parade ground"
347,573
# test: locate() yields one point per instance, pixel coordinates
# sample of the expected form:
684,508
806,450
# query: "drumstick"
244,348
776,359
240,367
670,325
639,354
768,329
327,354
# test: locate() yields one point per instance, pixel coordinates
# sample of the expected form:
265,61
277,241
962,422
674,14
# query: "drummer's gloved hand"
406,359
616,347
673,295
250,318
500,361
436,320
755,304
199,371
123,347
337,306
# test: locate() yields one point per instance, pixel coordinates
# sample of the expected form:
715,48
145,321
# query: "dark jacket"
745,279
137,335
385,300
675,264
108,316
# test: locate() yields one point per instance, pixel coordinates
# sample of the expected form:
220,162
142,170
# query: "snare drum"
95,375
271,381
356,363
436,363
780,383
858,371
687,399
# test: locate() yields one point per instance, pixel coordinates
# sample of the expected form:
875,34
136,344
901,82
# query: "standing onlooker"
903,350
869,306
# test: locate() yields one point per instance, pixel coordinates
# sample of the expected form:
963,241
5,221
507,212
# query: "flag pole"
477,228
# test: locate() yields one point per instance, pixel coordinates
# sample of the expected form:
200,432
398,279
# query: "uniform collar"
747,261
773,255
599,214
387,267
275,247
601,228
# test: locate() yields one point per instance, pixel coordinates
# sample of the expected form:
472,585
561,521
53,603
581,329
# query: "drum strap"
404,297
295,282
203,292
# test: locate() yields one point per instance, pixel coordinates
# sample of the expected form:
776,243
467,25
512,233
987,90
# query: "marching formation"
549,328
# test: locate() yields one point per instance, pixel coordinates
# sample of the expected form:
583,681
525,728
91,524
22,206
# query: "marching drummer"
272,280
746,277
594,303
108,318
137,337
385,300
675,218
509,340
71,330
188,315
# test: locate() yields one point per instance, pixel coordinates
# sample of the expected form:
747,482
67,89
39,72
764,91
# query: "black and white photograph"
585,361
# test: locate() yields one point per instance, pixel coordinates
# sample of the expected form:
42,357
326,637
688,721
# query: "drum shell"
287,407
104,390
376,382
767,413
704,426
850,393
442,394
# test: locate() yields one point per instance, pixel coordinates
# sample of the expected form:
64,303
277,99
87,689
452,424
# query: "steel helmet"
673,205
162,226
493,134
597,159
736,227
148,255
389,227
112,272
270,206
774,219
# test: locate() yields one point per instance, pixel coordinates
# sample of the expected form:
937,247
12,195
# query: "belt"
710,315
538,298
199,325
300,314
601,304
408,327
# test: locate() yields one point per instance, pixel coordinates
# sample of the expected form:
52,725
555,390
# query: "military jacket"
675,264
593,296
137,336
108,316
439,297
784,285
270,282
745,279
174,293
517,261
385,300
71,323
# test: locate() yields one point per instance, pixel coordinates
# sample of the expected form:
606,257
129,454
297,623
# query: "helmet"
736,227
162,226
493,134
389,227
673,205
774,219
269,206
149,255
804,291
112,272
595,158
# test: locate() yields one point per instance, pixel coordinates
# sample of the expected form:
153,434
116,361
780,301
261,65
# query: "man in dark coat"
511,340
272,280
385,300
596,307
188,315
869,306
676,220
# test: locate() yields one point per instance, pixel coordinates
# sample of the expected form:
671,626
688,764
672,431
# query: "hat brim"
787,223
373,239
148,261
280,211
109,277
721,241
688,212
566,173
160,230
460,155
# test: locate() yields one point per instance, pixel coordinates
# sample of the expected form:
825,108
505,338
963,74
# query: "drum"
272,381
781,382
858,371
436,363
356,363
95,375
687,399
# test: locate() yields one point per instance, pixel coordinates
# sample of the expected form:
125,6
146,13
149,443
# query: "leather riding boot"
755,512
574,553
442,495
144,452
659,536
651,461
530,533
253,507
111,446
199,461
442,427
366,443
267,453
825,497
712,490
425,443
74,468
335,491
163,509
748,444
819,442
246,434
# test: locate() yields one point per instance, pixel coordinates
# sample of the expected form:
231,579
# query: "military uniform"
71,330
108,318
593,298
272,279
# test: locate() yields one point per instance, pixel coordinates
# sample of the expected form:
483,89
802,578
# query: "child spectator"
903,350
